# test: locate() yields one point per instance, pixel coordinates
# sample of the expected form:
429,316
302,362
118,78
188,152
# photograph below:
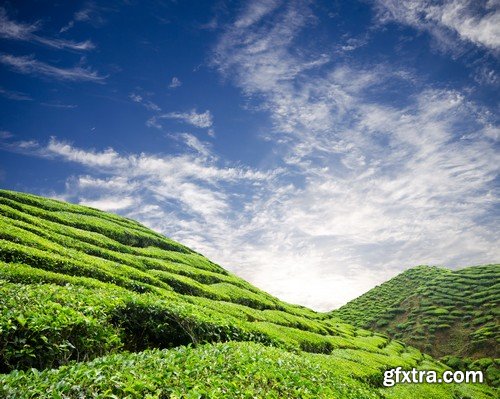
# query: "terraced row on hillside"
369,309
80,289
442,312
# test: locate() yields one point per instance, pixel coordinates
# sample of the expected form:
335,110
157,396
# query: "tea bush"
79,288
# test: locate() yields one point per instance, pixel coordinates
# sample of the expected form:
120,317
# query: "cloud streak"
476,22
194,187
201,120
148,104
15,95
29,65
89,13
193,118
13,30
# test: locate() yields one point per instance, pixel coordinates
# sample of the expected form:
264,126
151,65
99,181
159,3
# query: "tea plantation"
93,305
450,314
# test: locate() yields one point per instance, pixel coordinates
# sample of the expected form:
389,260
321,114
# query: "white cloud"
109,204
202,120
65,44
367,187
415,200
486,76
14,95
255,11
115,183
84,14
153,122
193,142
188,184
14,30
26,145
353,43
174,83
135,97
67,27
148,104
10,29
30,65
477,22
4,134
90,13
382,187
58,104
193,118
108,158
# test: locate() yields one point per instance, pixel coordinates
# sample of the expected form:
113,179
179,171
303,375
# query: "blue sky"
315,148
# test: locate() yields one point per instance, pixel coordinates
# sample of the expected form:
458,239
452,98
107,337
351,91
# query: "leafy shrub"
381,323
213,371
37,332
79,283
433,300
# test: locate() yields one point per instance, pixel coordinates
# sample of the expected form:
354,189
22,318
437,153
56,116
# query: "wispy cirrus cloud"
476,22
65,44
455,27
197,145
10,29
29,65
374,172
14,95
140,99
58,104
111,203
89,13
193,118
255,11
366,169
185,186
5,134
15,30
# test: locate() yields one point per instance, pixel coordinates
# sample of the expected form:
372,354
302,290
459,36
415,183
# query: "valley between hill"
96,305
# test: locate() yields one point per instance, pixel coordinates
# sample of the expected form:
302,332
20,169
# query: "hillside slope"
117,310
442,312
369,309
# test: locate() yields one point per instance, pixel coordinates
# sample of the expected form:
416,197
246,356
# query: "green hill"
449,314
96,305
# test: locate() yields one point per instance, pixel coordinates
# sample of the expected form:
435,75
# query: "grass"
96,305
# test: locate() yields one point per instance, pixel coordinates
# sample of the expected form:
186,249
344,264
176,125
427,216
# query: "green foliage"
38,331
80,288
234,370
489,367
440,311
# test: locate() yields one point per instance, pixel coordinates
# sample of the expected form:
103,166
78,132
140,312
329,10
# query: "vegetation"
449,314
96,305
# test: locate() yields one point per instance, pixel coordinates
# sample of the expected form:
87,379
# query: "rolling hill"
97,305
453,315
